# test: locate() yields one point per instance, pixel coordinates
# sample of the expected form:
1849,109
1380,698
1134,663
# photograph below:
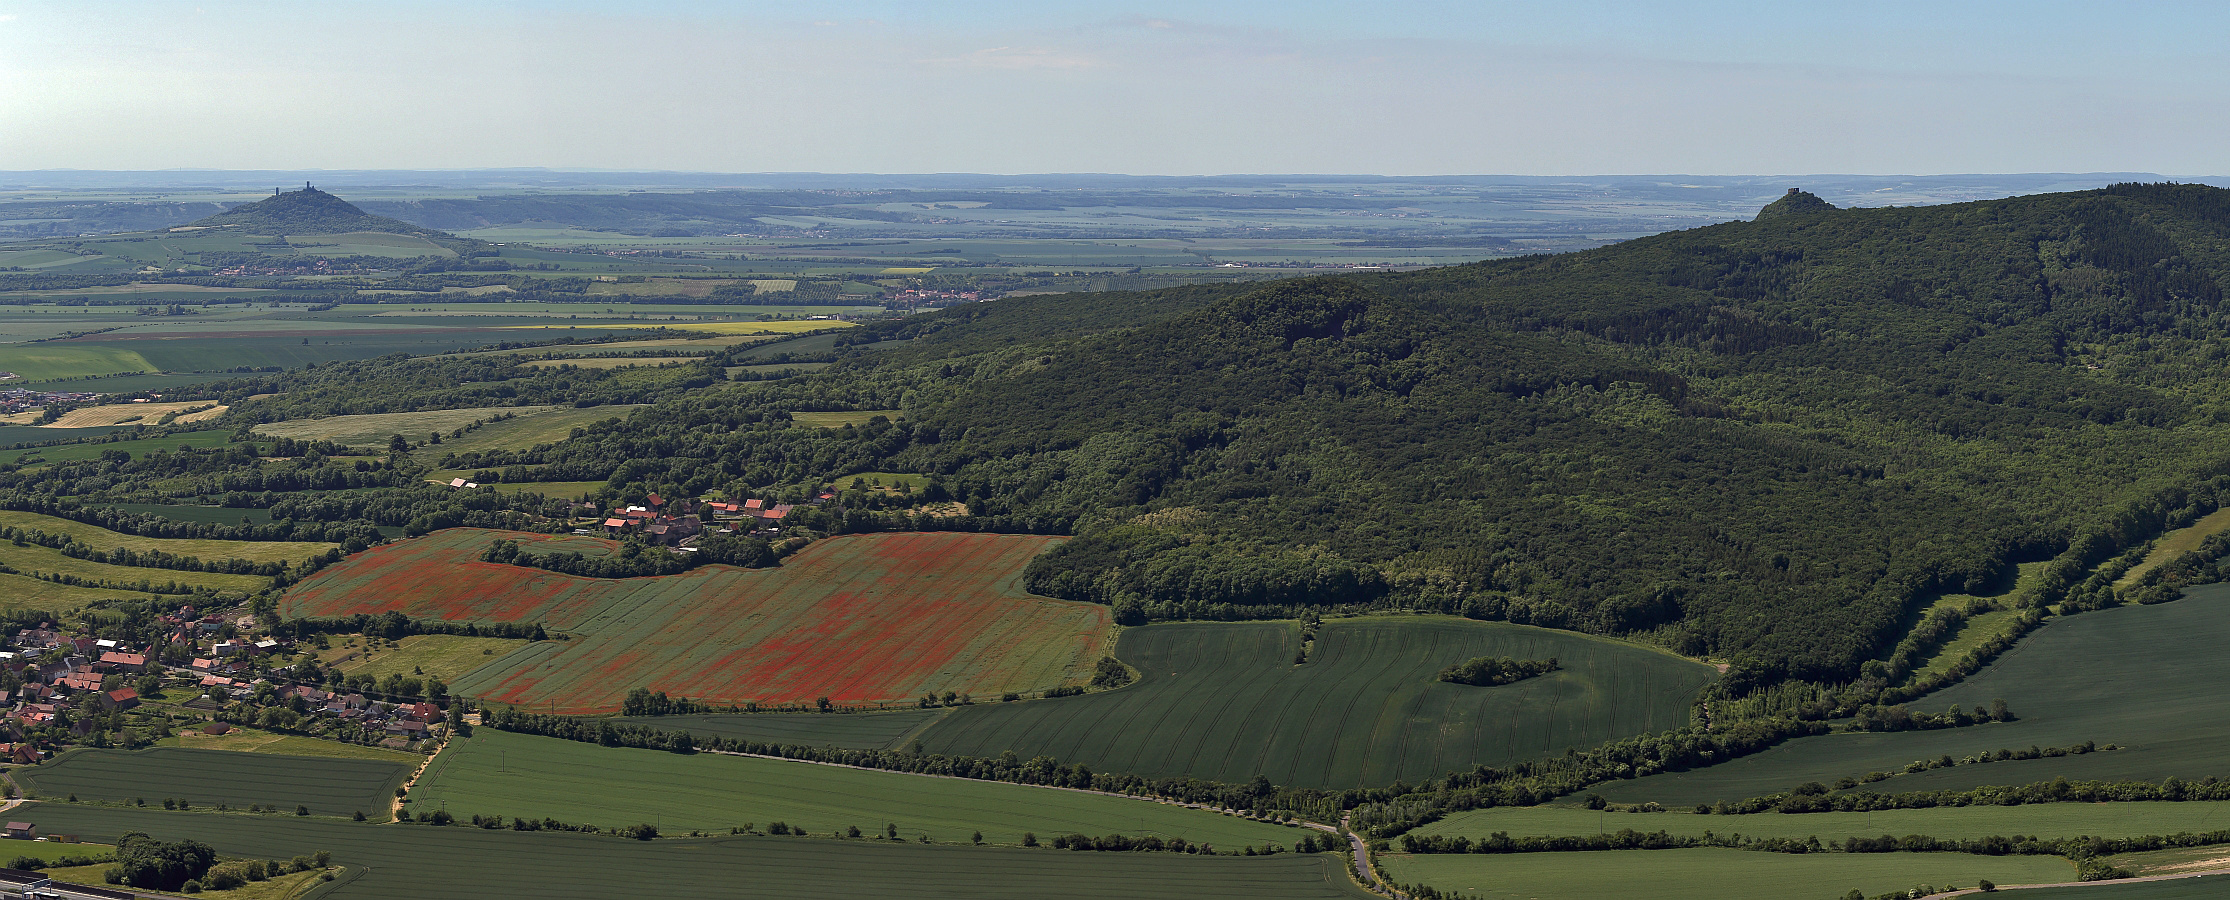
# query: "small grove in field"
515,775
860,620
1225,702
404,860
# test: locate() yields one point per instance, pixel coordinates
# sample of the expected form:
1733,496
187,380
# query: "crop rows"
1226,702
860,620
328,786
418,861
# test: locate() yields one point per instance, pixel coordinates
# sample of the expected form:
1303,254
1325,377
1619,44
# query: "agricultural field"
1225,702
100,538
841,418
500,773
611,362
328,786
1709,873
403,860
2046,820
2131,676
17,435
2211,888
861,620
2179,861
444,656
855,731
747,329
68,359
376,429
547,426
37,560
249,740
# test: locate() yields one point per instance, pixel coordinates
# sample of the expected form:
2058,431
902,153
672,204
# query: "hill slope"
310,211
1769,440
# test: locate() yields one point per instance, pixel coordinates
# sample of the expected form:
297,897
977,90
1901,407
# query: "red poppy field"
861,620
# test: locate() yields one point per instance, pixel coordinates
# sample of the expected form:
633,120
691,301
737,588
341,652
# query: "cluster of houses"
680,524
17,400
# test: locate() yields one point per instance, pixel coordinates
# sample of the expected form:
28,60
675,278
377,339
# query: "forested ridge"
1769,441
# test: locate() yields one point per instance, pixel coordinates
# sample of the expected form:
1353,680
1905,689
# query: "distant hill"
1795,202
311,211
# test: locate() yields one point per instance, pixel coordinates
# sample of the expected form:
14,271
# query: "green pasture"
37,560
500,773
444,656
52,850
548,425
26,592
1708,874
2046,820
1226,702
100,538
130,384
841,418
69,359
328,786
249,740
199,440
851,731
376,429
1970,635
417,860
2147,678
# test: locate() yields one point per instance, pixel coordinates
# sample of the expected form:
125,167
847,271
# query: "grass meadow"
328,786
841,418
26,592
2146,678
100,538
1709,873
249,740
1226,702
67,359
2177,543
199,440
416,861
547,426
496,772
444,656
376,429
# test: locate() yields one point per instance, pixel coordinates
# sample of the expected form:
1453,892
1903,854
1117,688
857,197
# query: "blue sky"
1720,87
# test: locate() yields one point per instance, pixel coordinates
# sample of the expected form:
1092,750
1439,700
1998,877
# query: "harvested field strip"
2180,861
37,560
2177,543
403,860
328,786
526,432
146,413
860,620
2045,820
857,731
496,772
100,538
1225,702
2148,678
841,418
1709,874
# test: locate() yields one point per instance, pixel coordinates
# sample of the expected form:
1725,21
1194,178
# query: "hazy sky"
1389,87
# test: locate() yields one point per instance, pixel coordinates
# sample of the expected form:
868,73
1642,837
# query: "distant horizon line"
565,170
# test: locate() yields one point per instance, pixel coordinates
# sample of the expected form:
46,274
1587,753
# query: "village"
208,673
